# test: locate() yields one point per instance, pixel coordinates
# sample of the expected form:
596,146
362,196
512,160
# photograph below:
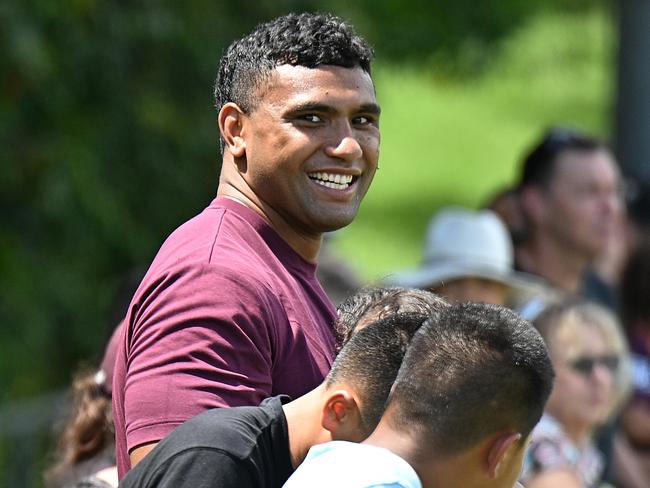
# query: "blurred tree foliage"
110,141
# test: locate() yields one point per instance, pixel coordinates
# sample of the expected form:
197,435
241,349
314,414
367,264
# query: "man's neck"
306,245
304,424
400,443
557,264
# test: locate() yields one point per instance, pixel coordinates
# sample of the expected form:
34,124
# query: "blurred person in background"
632,448
590,358
467,256
570,196
85,453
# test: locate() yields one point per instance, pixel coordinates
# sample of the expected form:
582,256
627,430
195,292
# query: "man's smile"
336,181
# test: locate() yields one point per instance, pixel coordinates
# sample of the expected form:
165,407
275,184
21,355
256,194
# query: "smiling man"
230,311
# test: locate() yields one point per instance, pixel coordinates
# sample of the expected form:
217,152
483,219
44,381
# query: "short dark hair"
306,39
471,371
369,362
539,164
372,303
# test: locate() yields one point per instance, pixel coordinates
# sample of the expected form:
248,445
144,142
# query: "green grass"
458,142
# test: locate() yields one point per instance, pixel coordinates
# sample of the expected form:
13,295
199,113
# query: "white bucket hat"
462,243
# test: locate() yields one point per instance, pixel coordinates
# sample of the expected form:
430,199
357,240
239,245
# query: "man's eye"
362,120
312,118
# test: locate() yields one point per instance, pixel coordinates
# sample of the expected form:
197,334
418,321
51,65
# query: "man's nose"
611,202
344,145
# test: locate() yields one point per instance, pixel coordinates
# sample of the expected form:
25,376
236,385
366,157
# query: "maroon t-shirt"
228,314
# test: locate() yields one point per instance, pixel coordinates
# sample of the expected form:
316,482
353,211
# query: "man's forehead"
321,81
585,163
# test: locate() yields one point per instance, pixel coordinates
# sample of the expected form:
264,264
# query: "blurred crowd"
567,248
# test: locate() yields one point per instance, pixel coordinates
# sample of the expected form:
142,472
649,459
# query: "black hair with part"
370,360
306,39
471,371
539,165
372,303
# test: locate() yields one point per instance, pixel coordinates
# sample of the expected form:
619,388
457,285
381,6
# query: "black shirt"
238,447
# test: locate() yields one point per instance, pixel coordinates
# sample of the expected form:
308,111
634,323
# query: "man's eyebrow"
311,107
368,108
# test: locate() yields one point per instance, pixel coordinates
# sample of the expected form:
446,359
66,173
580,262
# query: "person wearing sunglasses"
591,362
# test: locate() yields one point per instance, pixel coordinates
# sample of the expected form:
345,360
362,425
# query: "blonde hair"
559,326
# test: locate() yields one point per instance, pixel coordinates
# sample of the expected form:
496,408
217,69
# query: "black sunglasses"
585,365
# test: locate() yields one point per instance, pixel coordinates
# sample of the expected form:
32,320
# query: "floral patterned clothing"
551,448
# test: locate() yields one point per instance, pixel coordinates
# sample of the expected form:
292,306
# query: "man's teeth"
331,180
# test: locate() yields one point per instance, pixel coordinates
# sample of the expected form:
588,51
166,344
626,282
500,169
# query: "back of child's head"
370,359
471,371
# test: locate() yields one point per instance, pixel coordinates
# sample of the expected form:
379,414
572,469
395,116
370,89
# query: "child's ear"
341,416
231,121
501,449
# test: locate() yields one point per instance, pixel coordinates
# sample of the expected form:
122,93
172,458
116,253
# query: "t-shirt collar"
277,244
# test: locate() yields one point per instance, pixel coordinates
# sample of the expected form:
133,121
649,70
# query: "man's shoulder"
210,252
224,240
215,227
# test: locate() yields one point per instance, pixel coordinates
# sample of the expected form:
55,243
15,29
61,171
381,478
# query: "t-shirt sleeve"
196,468
201,337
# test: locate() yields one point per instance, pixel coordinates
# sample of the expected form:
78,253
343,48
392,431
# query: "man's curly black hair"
306,39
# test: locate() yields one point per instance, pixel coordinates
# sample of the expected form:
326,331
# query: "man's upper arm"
201,338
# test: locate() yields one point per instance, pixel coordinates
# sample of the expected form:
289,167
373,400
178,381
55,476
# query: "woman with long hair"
85,455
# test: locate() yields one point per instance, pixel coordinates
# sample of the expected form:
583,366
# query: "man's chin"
333,223
328,218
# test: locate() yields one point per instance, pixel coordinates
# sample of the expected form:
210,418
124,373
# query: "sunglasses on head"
585,364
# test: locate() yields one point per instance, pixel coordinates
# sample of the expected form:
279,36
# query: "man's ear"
532,203
341,416
231,119
502,447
